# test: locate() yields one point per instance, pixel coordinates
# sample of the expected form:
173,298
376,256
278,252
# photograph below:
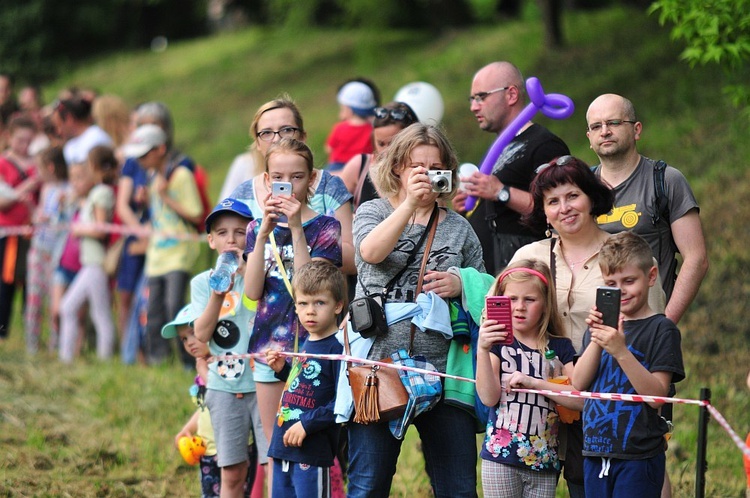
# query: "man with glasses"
613,129
497,97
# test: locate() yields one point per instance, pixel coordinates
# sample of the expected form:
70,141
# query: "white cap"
143,139
356,95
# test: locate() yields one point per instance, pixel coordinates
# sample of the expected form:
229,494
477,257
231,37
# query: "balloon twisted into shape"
552,105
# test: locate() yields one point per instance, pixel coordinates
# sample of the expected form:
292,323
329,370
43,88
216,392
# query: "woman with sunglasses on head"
568,197
387,230
389,120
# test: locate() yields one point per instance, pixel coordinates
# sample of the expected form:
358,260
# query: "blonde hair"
112,114
396,157
551,323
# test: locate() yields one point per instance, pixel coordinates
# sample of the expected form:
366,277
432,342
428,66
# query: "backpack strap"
661,202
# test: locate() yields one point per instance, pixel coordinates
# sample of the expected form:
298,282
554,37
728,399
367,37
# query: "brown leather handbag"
378,393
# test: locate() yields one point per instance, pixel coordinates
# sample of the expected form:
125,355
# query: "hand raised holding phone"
500,331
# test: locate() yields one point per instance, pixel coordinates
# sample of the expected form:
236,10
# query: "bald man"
613,130
498,95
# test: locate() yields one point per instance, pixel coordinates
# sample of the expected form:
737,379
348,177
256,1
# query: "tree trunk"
552,19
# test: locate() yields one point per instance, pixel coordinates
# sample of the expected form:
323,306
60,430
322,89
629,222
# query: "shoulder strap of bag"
363,170
425,257
553,260
410,259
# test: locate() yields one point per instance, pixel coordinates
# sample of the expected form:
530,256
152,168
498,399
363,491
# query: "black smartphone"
608,304
498,308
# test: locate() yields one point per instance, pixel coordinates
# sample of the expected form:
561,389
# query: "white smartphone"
281,188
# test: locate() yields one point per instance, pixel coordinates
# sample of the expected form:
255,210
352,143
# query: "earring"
548,232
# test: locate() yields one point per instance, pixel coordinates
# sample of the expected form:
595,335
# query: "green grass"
103,429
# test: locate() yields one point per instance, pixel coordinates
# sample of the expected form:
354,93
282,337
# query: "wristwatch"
504,194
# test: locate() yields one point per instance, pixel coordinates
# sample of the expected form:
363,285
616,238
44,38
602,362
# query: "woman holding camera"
385,232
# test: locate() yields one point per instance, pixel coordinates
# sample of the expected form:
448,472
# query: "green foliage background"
101,429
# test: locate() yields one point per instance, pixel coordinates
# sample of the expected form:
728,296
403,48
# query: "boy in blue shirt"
305,436
623,442
224,323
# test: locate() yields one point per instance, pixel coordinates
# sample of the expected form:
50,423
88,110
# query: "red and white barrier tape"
637,398
28,230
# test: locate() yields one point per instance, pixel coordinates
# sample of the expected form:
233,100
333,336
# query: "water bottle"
553,372
553,368
221,278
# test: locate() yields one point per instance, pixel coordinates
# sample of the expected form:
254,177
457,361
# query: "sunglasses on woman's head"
396,114
559,161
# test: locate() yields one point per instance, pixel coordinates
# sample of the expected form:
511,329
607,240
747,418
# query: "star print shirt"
522,428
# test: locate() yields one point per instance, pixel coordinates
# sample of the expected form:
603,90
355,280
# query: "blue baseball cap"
228,205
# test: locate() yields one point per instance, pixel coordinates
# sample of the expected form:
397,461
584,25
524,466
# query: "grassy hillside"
106,430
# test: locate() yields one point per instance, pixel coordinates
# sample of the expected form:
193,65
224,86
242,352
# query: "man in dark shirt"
498,95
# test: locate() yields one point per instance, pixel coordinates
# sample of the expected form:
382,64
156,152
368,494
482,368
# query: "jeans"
449,446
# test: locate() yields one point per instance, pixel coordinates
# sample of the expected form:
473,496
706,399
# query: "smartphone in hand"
608,304
498,308
281,188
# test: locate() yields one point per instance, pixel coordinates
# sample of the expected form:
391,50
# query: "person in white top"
72,117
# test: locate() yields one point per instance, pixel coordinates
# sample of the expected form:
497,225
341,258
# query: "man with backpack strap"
640,184
652,199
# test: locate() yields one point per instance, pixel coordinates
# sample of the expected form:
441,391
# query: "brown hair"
54,156
102,159
320,276
623,249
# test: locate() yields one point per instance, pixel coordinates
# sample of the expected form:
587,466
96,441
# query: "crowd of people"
384,224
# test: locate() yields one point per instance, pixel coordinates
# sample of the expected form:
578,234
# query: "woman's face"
567,208
383,137
426,156
274,120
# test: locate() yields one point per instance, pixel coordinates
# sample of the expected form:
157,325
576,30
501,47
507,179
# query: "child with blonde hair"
519,454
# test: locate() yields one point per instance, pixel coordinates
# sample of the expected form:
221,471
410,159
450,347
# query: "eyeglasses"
610,123
285,132
480,96
397,114
559,161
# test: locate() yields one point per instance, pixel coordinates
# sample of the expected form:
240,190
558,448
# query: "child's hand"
275,360
491,332
295,435
292,208
610,339
180,435
159,184
270,217
521,381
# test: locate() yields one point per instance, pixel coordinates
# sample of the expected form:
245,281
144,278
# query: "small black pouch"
367,316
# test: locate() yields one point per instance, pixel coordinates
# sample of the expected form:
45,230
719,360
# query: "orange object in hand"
567,415
191,449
